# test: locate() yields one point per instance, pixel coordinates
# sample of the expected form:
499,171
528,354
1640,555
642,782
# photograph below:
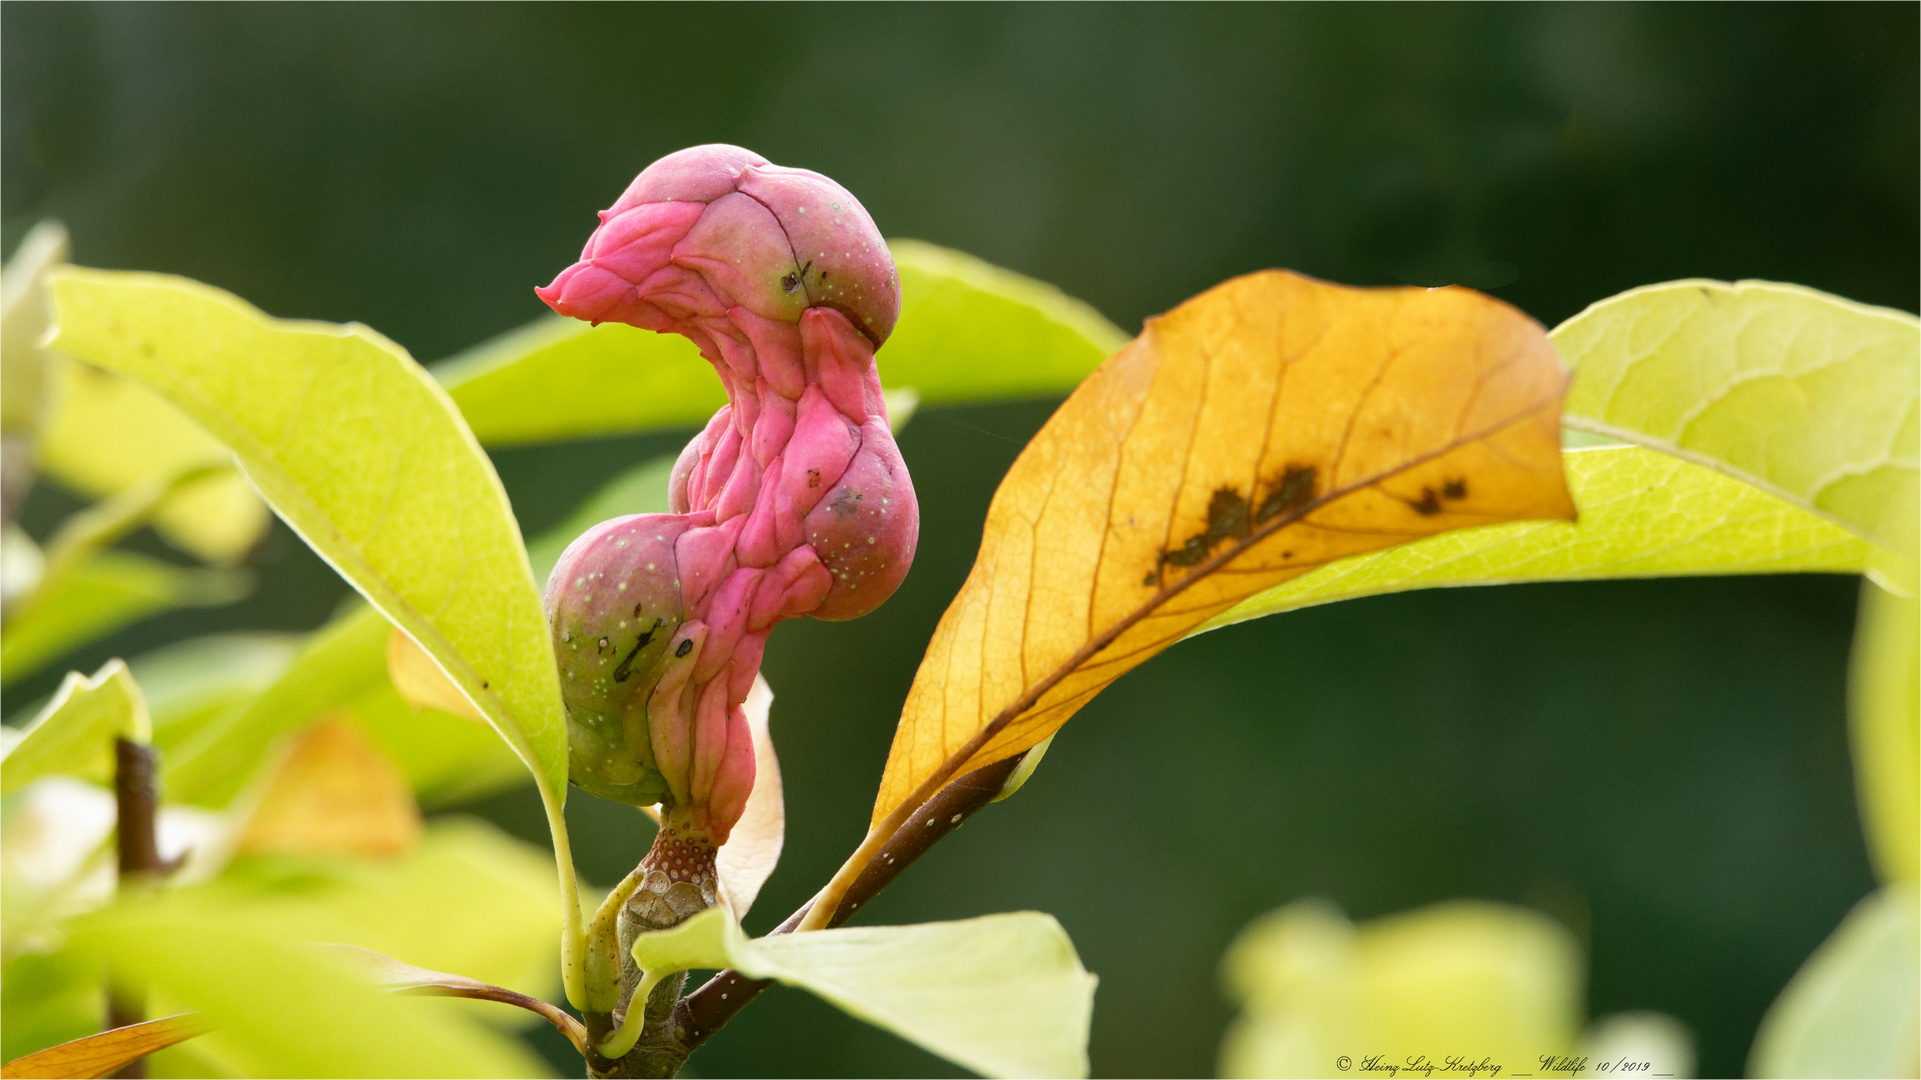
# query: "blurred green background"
1660,764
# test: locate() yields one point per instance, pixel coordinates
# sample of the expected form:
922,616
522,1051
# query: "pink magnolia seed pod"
793,501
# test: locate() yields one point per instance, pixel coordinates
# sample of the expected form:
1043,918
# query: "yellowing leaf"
1643,514
421,682
1264,428
1808,395
362,453
74,734
107,433
105,1053
1884,725
334,794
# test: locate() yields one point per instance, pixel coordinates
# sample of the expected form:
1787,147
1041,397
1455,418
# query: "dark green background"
1663,765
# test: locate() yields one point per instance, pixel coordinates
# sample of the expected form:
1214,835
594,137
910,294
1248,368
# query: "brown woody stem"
136,800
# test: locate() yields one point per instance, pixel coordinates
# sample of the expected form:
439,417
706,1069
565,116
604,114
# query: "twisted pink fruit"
793,501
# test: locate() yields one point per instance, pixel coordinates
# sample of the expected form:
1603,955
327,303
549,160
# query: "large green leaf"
1808,395
1854,1009
111,590
357,448
74,734
1884,723
968,331
1643,514
1004,995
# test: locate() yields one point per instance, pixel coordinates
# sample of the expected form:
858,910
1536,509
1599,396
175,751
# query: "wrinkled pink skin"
793,501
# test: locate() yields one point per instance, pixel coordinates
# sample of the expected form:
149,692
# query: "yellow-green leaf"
1884,725
1854,1008
1003,995
968,331
1808,395
74,734
111,590
1264,428
1643,514
364,455
1470,977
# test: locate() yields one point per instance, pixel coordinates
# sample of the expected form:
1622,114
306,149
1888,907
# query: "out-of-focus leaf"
559,378
74,734
1884,722
50,999
23,319
753,847
341,661
420,681
103,1054
407,978
1657,1043
1813,397
109,591
56,861
107,434
21,563
190,682
235,960
1003,995
23,366
447,758
1268,426
971,331
1643,514
968,331
1460,977
363,454
333,794
1854,1008
342,669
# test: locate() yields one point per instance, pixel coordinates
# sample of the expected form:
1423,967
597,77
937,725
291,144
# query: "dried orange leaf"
334,794
105,1053
1266,427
